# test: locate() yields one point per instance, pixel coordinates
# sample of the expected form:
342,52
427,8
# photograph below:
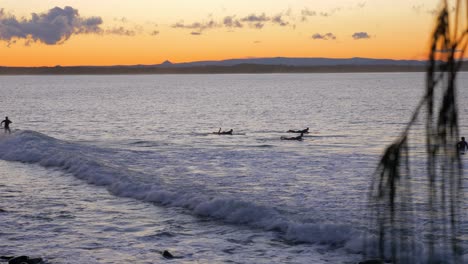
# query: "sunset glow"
119,32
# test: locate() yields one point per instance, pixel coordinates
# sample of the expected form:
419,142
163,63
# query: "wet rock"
372,261
35,261
6,257
24,260
18,260
167,254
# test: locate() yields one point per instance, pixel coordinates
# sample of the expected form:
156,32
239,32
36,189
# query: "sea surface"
116,169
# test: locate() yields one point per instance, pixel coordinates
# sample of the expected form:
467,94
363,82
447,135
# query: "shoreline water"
144,137
54,219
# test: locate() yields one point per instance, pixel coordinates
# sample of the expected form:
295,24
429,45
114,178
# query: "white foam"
34,147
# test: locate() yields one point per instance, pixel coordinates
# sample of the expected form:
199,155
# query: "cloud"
121,31
197,26
195,33
231,22
361,35
256,18
327,36
279,20
178,25
256,21
258,25
154,33
121,19
305,13
53,27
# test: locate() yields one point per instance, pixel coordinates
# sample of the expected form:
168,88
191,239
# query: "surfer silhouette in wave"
6,123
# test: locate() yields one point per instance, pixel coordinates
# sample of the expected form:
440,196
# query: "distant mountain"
166,63
256,65
297,62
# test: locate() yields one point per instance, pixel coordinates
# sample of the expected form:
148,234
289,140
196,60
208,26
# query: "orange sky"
111,32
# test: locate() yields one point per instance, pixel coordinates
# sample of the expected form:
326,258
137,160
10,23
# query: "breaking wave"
83,162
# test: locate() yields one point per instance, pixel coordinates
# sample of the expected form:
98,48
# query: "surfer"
293,138
305,131
462,145
7,123
229,132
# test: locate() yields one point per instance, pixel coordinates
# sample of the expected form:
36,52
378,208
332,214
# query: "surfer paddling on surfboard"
293,138
229,132
305,131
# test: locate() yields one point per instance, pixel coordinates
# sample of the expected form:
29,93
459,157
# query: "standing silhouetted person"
462,146
7,123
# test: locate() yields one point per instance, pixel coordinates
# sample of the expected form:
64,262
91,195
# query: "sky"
129,32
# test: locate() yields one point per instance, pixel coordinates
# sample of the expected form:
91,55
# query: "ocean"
118,168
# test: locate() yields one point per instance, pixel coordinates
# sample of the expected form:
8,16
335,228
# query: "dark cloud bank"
53,27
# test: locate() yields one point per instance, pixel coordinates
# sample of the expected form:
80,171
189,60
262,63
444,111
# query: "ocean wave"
78,159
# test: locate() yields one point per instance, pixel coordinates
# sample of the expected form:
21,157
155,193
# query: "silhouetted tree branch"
392,197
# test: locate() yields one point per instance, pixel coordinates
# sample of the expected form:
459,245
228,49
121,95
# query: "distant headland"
255,65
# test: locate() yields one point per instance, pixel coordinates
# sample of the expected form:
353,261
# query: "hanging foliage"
403,235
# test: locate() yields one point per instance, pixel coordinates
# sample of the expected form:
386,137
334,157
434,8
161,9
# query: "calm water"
117,168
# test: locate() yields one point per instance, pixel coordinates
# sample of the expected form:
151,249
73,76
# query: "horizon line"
214,60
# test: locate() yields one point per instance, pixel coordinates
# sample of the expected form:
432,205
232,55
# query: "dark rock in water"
167,254
19,260
24,260
35,261
372,261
